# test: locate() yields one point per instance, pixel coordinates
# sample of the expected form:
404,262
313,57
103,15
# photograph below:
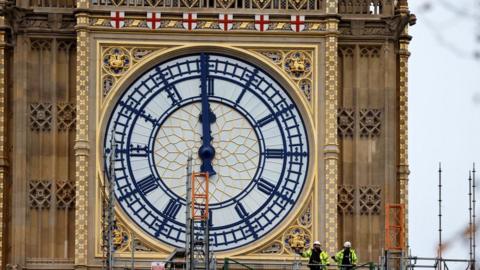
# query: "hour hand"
206,151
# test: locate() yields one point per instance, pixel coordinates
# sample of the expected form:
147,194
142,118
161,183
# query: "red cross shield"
153,20
261,22
117,19
297,23
225,21
189,21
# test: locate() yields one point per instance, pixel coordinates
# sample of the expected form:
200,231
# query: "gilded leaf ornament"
225,3
261,4
297,4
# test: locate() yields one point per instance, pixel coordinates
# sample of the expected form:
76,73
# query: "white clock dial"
235,120
180,136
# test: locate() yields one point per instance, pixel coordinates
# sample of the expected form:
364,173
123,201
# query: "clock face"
235,121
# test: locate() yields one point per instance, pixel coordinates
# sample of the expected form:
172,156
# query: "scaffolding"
395,227
108,208
197,250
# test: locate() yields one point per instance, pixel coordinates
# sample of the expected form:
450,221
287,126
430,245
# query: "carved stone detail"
40,44
65,45
297,64
346,122
65,194
116,61
346,199
370,200
297,4
108,82
275,56
362,28
274,248
40,194
82,141
370,51
346,51
121,238
370,123
261,4
296,237
305,218
40,116
33,21
66,116
331,138
190,3
306,87
139,53
225,3
154,3
140,246
117,2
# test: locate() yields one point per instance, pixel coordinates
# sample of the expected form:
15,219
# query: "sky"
444,122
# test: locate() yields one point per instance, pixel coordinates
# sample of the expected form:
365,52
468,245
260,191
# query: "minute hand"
206,151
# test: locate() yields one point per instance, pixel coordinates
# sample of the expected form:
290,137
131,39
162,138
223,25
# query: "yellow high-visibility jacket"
353,256
323,256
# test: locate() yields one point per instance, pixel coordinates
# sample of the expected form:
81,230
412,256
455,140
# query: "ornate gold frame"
165,50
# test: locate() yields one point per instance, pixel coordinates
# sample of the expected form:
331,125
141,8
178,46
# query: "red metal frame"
394,227
200,195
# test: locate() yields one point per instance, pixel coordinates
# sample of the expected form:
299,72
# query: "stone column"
3,133
18,158
331,148
81,139
403,169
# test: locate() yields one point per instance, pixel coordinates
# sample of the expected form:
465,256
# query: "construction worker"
316,257
346,258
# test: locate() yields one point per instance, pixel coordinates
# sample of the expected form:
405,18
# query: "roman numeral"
210,88
147,117
172,208
172,91
139,151
274,153
210,217
265,186
147,184
269,118
264,121
240,209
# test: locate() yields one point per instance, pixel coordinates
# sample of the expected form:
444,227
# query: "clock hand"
206,152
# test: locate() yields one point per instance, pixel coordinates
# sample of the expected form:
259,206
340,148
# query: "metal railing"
53,3
296,265
397,261
353,7
314,5
364,7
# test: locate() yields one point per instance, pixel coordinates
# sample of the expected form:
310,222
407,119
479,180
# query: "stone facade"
54,84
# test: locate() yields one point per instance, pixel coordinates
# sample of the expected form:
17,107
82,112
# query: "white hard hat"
347,244
316,243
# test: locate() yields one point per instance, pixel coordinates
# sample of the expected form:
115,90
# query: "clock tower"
297,110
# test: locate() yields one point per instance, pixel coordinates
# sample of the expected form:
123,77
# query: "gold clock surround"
310,198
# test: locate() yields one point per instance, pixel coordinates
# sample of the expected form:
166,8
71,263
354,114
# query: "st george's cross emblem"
189,21
261,22
225,21
297,23
117,19
153,20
